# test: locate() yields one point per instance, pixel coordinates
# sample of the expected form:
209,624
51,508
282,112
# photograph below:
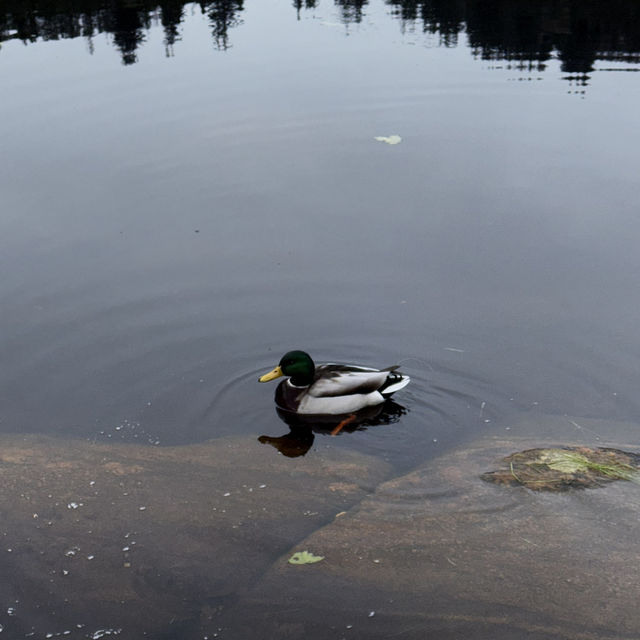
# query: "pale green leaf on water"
394,139
304,557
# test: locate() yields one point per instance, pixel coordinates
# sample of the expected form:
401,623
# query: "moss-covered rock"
561,469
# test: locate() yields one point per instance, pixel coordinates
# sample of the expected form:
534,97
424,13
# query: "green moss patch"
566,468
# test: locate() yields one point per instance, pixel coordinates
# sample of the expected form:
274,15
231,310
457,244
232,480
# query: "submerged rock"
561,469
187,542
154,542
440,553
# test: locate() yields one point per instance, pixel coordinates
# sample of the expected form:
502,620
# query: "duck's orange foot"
343,423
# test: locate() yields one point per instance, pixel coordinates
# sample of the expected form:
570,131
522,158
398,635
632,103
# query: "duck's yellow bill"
272,375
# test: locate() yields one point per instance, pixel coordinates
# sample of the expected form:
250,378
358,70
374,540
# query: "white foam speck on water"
130,430
101,633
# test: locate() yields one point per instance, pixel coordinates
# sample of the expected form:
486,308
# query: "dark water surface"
190,190
173,224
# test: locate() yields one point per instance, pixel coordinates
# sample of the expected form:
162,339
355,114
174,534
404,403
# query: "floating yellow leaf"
394,139
304,557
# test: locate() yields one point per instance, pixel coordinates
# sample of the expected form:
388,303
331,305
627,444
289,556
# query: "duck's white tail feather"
396,386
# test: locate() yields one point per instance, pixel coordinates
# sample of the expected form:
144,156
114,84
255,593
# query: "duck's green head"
297,365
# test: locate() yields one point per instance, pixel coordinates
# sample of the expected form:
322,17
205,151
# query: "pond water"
190,190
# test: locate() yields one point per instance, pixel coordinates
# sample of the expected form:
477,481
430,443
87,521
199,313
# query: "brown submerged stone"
439,553
562,469
154,542
179,543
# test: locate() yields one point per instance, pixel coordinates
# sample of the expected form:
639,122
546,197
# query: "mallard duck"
331,389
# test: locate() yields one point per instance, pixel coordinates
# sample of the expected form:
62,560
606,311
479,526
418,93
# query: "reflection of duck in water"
302,428
331,389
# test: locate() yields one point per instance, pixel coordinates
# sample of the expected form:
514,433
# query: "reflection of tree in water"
126,20
526,33
222,15
600,31
351,11
444,18
172,13
304,4
497,30
127,23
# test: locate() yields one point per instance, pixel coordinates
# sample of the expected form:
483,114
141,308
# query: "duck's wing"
340,380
